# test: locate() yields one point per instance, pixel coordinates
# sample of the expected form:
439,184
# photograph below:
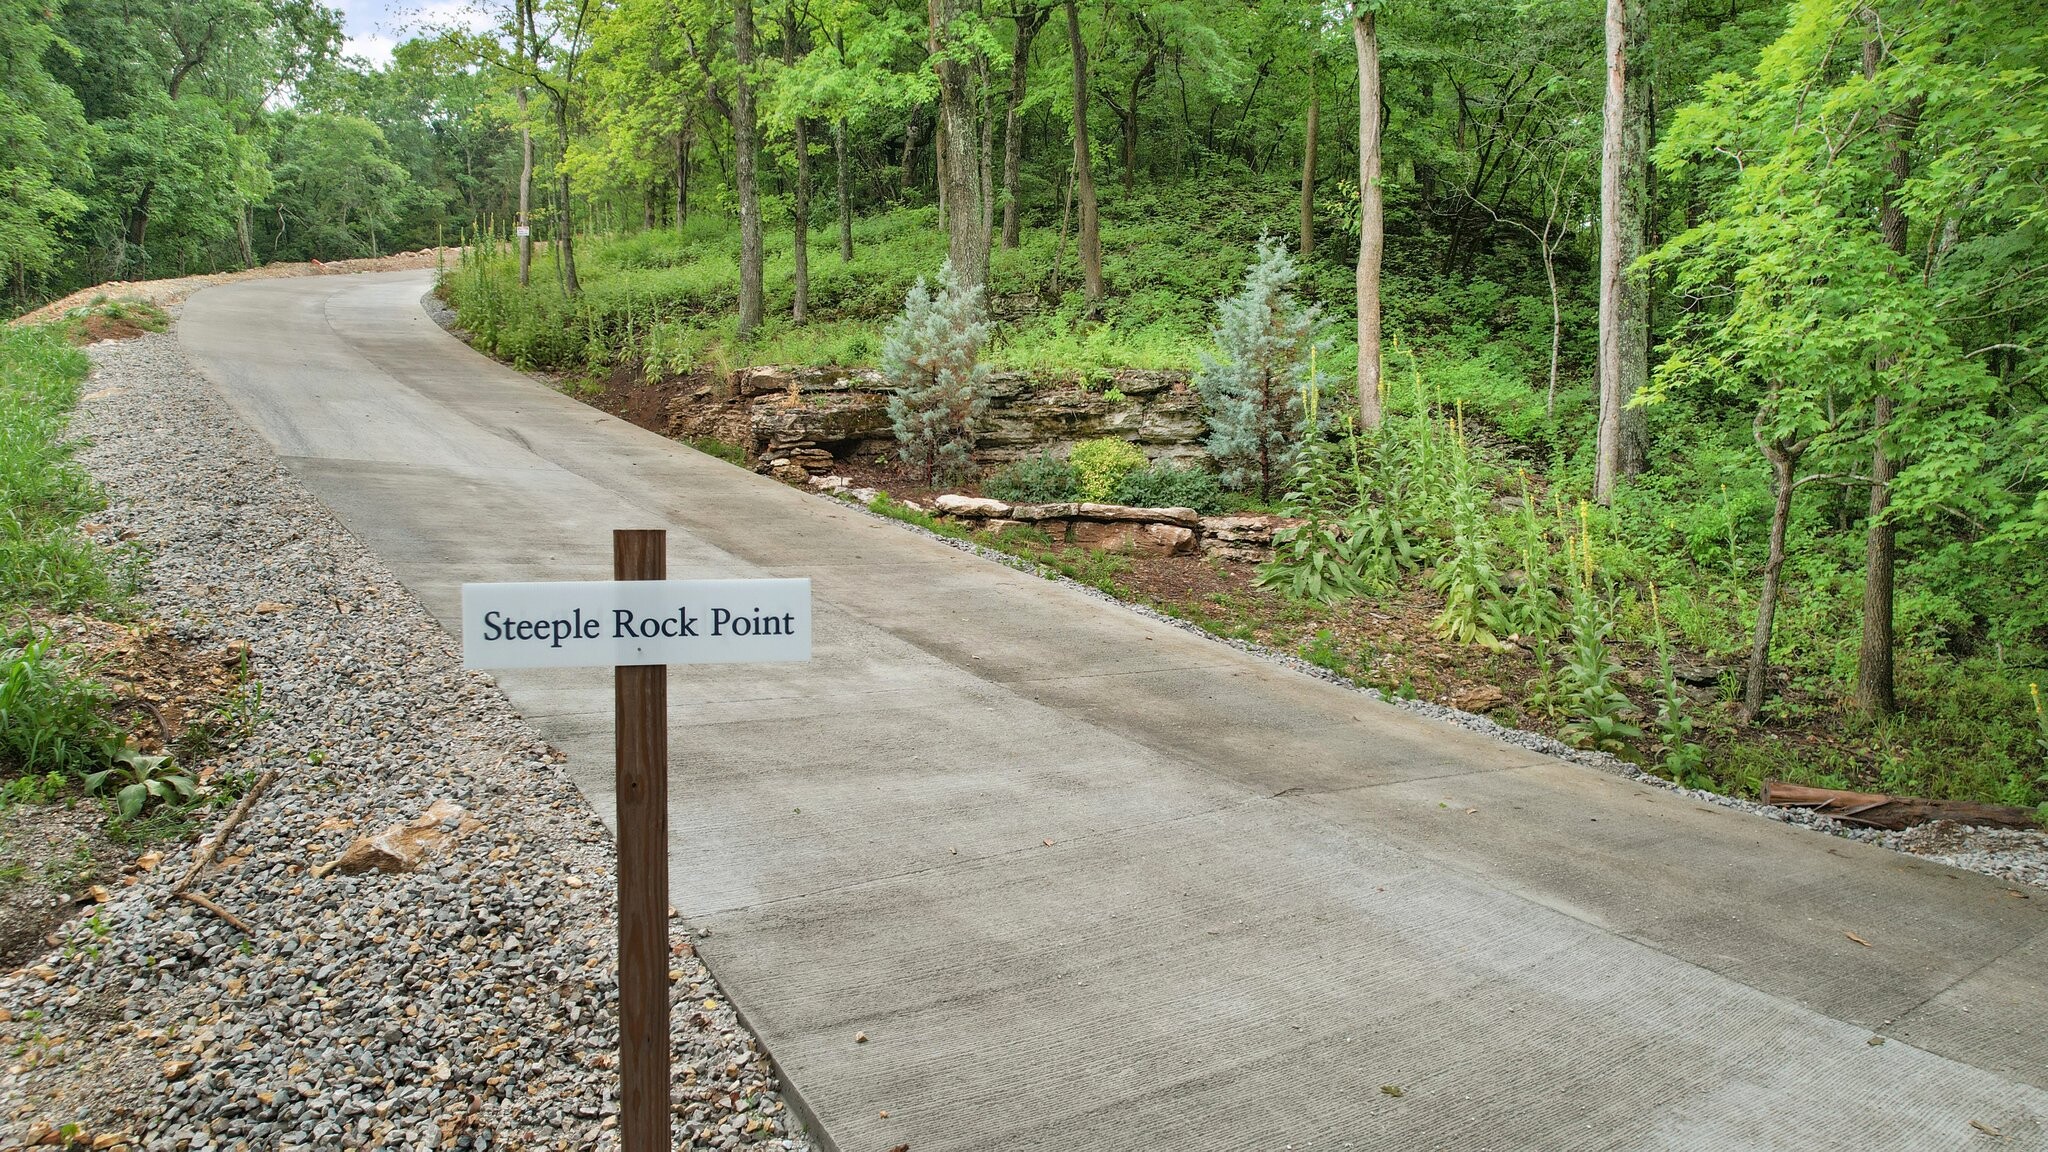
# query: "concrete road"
1089,882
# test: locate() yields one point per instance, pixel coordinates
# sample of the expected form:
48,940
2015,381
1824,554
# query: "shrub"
1040,479
1254,382
1172,486
1101,465
930,354
51,720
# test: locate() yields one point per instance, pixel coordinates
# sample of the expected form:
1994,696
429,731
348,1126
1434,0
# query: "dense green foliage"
1845,224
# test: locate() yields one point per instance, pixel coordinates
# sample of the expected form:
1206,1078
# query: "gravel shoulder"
467,1003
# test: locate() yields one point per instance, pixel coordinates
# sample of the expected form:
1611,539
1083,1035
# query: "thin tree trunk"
1371,217
524,233
800,224
746,157
1875,693
1090,237
1028,24
1624,340
1308,165
845,205
570,285
682,176
1784,459
1556,320
910,148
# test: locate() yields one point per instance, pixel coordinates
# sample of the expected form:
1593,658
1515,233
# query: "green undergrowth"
59,735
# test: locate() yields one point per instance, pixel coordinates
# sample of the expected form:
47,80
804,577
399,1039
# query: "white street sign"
522,231
598,622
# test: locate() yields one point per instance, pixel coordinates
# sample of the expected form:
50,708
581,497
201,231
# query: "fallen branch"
198,900
227,828
1877,810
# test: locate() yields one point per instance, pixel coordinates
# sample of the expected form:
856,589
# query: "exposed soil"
57,855
95,328
164,293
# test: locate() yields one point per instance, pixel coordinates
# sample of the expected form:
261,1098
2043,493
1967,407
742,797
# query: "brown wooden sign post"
640,694
639,622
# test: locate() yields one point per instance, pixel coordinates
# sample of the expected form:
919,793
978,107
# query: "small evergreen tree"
931,353
1254,383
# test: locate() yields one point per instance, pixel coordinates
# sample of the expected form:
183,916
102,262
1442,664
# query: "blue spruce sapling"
931,353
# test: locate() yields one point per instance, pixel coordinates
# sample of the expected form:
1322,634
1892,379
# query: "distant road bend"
1086,881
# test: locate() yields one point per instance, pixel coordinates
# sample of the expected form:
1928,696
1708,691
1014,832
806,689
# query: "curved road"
1089,882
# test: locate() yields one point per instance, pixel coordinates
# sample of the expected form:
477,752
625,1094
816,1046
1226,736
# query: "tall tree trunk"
1028,24
524,230
1308,165
800,211
242,239
570,285
1624,338
1089,237
1371,217
746,158
1875,693
845,205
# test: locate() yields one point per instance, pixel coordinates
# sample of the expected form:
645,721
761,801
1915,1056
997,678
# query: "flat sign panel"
522,231
590,623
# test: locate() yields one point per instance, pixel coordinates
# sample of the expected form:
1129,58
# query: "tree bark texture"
800,211
1875,693
1029,22
1308,165
1371,217
746,162
567,228
1624,355
845,205
963,193
1089,233
683,176
1784,460
525,194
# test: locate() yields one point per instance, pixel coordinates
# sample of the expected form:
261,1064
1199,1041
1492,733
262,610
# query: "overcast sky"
374,26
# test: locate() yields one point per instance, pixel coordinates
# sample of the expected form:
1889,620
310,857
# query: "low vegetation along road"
1009,866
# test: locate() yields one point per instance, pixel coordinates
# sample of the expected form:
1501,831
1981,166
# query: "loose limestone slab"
971,507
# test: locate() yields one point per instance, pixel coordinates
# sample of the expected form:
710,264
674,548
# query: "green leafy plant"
1464,573
1684,760
1041,479
1589,679
1309,561
1101,464
1171,486
142,779
51,717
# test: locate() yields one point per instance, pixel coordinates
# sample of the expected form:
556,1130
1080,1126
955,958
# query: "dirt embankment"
164,293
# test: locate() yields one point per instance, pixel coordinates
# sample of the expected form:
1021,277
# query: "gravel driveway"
469,1003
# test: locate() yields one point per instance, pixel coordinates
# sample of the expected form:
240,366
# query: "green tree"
1255,382
932,354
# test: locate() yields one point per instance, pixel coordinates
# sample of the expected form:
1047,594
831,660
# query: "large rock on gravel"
401,847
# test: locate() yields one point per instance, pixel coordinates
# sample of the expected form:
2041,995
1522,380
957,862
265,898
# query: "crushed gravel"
470,1003
2014,855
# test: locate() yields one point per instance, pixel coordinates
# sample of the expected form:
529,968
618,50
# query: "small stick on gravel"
195,898
227,828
